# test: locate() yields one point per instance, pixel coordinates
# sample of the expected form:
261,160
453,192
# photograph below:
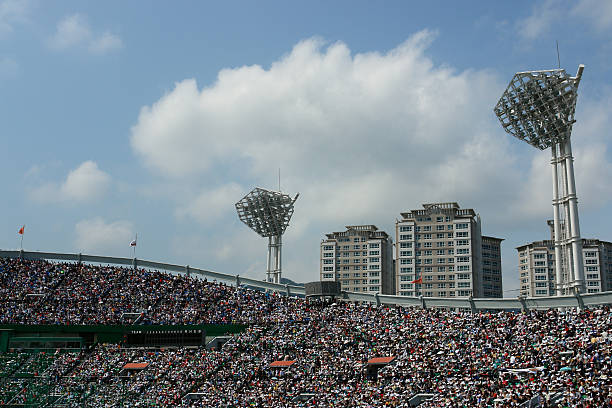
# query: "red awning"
282,363
381,360
135,366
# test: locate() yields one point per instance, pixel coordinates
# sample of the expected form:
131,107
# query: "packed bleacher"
327,351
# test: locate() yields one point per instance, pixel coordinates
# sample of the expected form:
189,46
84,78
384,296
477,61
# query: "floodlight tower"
538,107
268,213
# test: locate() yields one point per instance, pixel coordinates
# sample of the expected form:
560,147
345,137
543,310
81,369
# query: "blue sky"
156,117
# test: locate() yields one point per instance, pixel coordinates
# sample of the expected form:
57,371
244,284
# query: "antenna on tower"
279,179
558,57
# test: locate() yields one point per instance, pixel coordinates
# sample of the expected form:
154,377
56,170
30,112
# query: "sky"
154,118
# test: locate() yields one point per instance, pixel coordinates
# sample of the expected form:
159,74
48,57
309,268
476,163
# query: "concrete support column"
556,221
269,261
574,233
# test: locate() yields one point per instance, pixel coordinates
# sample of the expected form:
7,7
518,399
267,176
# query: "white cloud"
210,205
74,31
11,13
71,31
83,184
596,12
105,43
543,16
98,236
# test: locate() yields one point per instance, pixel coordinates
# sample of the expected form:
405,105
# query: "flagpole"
22,233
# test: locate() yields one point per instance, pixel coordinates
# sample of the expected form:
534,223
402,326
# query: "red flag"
21,230
420,280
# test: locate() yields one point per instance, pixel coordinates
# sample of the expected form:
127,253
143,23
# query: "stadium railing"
519,303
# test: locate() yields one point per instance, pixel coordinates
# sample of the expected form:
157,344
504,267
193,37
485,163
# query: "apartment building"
491,267
441,247
537,267
360,258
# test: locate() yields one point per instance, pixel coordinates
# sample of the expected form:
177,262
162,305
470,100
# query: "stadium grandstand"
74,334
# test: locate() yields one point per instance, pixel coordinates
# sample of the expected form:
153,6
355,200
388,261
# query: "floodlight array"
266,212
538,107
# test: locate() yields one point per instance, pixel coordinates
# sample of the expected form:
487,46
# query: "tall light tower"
538,107
268,213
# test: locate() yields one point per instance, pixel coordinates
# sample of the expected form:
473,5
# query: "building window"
405,228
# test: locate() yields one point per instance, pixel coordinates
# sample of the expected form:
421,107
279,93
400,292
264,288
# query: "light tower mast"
268,213
538,107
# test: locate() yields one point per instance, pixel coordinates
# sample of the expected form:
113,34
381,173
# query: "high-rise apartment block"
442,244
360,258
537,266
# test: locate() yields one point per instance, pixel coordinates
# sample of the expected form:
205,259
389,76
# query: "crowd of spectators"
505,359
38,292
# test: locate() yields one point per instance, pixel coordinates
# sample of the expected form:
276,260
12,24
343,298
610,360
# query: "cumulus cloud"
85,183
74,31
99,236
361,136
371,126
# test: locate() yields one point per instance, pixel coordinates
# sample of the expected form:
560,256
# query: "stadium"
148,121
86,331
